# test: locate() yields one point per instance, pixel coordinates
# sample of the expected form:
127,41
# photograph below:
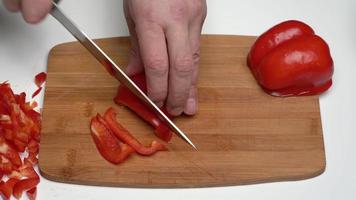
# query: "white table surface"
24,49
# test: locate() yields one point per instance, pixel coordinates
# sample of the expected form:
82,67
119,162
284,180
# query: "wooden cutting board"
244,136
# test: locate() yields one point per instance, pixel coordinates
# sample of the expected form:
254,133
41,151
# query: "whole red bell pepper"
290,59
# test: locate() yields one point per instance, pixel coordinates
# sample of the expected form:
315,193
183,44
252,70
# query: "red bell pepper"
32,194
289,59
36,92
24,185
40,79
5,165
19,130
107,144
124,135
127,98
6,188
9,152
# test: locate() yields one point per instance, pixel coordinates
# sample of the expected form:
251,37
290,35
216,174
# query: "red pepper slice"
127,98
33,147
31,160
32,194
290,60
23,185
40,78
5,165
36,92
107,144
124,135
9,152
6,188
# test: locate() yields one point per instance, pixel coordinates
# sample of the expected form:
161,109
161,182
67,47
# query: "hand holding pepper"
165,39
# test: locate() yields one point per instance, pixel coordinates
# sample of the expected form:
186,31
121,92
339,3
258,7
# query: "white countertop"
24,49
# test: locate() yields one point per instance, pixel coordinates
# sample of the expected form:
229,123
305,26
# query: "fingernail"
190,107
175,111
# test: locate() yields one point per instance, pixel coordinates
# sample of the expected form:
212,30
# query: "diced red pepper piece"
9,152
127,98
6,188
5,165
31,159
33,146
24,185
124,135
32,194
107,144
36,92
40,78
7,94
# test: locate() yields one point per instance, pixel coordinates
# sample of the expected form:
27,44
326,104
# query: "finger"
34,11
181,68
154,55
12,5
191,105
134,65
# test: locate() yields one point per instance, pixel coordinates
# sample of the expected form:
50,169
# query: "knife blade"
112,68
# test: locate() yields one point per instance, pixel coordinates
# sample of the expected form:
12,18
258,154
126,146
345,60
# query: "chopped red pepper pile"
20,128
114,142
291,60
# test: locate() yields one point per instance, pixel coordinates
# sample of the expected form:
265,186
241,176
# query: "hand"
165,37
33,11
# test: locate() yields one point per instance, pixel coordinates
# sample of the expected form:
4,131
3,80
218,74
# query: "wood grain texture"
244,136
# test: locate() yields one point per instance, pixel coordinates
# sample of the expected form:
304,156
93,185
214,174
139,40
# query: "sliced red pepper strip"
9,152
40,78
127,98
124,135
36,92
24,185
32,194
6,188
107,144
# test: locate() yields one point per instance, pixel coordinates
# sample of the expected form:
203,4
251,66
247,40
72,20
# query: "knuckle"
179,11
157,64
183,64
157,96
176,101
199,8
196,57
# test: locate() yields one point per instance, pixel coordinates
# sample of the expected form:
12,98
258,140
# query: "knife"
112,68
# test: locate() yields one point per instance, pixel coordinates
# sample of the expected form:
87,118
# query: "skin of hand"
33,11
165,38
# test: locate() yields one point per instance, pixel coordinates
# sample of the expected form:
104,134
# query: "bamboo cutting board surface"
244,136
